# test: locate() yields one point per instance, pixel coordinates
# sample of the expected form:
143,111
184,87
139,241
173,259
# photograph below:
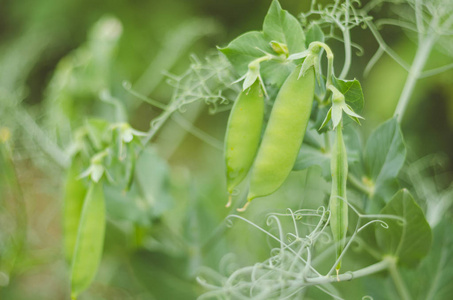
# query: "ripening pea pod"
243,135
338,201
284,134
90,240
75,191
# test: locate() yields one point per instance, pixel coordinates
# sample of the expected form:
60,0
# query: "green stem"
196,132
128,87
160,121
377,267
329,55
347,43
399,283
423,51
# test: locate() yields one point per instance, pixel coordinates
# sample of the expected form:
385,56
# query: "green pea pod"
243,134
90,240
75,192
284,134
338,201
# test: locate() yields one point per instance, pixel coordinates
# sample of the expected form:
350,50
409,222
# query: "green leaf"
245,48
409,241
336,115
352,91
314,34
275,72
321,115
327,119
385,152
384,191
281,26
433,278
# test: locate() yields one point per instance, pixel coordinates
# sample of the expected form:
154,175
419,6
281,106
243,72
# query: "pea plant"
292,112
386,221
341,214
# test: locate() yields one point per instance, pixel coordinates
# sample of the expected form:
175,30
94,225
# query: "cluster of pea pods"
270,160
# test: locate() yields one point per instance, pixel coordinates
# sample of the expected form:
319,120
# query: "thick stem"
378,267
423,51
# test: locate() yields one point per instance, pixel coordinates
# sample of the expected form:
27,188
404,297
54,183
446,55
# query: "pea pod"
284,134
338,201
75,192
243,134
90,240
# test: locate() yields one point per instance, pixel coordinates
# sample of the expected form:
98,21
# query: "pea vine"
365,204
292,267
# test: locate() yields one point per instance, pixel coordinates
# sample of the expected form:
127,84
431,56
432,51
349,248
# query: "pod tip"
244,207
230,200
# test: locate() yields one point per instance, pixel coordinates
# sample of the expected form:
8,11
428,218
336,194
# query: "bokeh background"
37,38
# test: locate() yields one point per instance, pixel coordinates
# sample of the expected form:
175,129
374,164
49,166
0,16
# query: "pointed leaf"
298,55
337,113
309,62
250,46
348,110
352,91
245,48
250,78
314,34
410,241
327,119
281,26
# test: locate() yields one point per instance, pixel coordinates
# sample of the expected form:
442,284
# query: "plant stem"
399,283
159,122
377,267
329,55
347,44
421,56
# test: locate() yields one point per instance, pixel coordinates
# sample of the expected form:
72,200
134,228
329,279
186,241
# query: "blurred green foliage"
55,59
